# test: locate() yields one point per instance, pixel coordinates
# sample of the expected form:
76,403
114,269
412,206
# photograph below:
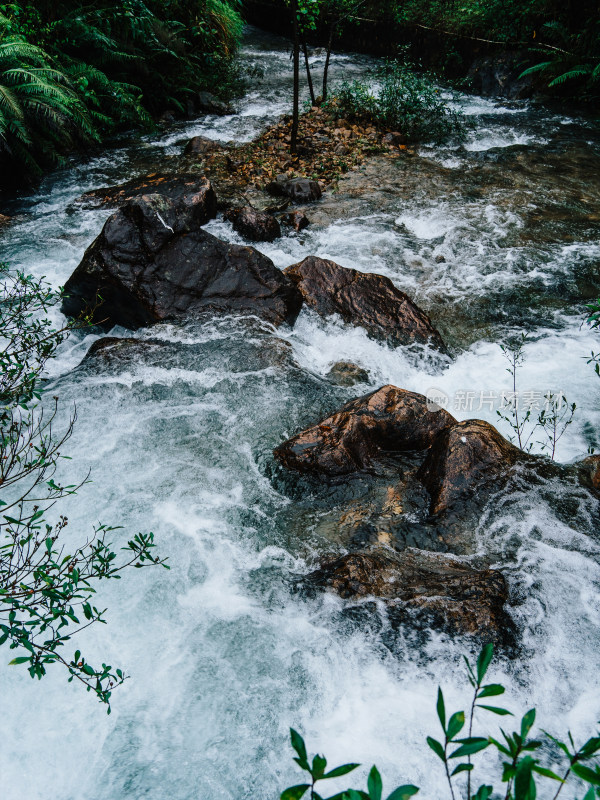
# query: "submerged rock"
113,354
185,191
299,190
345,373
438,590
365,299
353,438
151,264
464,459
4,219
257,226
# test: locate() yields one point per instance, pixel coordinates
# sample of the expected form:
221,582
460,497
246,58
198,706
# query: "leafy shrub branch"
46,588
524,760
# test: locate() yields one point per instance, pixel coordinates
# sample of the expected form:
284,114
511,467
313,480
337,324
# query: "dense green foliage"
401,99
71,73
560,40
524,760
46,590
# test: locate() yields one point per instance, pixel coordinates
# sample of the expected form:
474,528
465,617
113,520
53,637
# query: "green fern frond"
581,71
543,67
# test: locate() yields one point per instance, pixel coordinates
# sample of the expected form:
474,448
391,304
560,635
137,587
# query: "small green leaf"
318,767
484,660
374,784
470,749
547,773
524,783
294,792
339,771
496,710
298,745
456,724
436,747
590,748
587,774
19,660
441,709
527,722
491,690
403,792
462,768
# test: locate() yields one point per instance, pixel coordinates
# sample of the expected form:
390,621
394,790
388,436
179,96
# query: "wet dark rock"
257,226
353,438
464,460
365,299
416,585
149,264
209,104
498,76
200,146
344,373
167,117
296,220
190,193
299,190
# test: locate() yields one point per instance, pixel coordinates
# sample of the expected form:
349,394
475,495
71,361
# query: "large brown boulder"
365,299
465,459
386,421
258,226
150,263
437,589
188,192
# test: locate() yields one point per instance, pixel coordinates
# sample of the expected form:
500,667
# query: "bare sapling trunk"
296,109
308,75
327,58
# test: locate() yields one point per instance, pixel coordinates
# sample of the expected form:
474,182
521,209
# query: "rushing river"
494,237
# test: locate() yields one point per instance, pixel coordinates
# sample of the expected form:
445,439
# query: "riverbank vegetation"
559,41
47,584
72,74
528,763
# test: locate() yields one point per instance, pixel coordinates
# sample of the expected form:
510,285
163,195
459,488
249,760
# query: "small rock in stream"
296,220
345,373
299,190
258,226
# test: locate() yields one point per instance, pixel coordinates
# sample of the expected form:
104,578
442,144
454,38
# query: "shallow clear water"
493,237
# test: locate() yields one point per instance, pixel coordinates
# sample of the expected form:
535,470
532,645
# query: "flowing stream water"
493,237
